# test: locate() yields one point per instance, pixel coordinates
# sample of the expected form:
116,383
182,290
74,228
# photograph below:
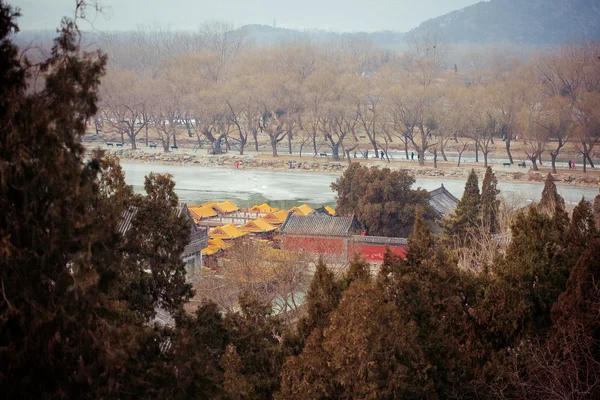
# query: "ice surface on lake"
247,187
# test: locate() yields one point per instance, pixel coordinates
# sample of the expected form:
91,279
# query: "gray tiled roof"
379,240
318,225
442,201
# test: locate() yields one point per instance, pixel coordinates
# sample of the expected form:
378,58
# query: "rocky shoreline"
309,163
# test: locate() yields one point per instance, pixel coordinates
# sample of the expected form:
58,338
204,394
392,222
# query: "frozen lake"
289,188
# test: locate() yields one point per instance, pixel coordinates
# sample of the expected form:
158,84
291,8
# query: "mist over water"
285,189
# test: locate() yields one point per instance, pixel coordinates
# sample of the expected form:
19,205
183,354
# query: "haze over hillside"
524,22
519,21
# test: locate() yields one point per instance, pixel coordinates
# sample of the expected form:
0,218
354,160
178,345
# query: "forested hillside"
518,21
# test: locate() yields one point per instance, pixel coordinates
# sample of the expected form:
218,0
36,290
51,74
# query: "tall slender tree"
550,197
489,201
467,217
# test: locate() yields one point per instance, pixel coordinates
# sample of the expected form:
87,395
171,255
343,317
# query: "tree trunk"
174,138
216,145
434,158
146,127
314,140
534,163
166,143
444,153
133,144
459,157
289,135
584,162
590,160
508,153
335,151
374,143
553,161
476,152
406,147
255,136
273,141
421,157
540,159
485,159
301,146
242,144
122,138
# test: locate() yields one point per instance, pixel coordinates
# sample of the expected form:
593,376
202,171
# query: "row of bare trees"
225,92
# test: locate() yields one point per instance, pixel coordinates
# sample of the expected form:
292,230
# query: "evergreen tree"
67,327
358,270
433,293
550,197
256,335
235,383
582,227
322,298
467,216
526,281
154,270
489,201
420,242
382,200
597,210
568,363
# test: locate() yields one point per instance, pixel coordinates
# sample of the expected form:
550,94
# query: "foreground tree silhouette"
69,328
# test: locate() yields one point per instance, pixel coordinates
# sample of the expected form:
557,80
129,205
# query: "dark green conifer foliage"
597,210
358,270
489,201
155,242
322,298
467,216
527,281
420,243
235,383
198,348
568,363
382,200
429,288
369,351
67,329
256,335
550,197
582,227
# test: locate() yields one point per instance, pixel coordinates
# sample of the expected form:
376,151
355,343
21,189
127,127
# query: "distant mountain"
519,21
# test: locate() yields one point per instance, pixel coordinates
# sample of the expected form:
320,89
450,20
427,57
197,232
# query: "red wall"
322,245
316,245
374,253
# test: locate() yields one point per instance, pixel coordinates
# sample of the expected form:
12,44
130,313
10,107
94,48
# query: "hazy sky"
336,15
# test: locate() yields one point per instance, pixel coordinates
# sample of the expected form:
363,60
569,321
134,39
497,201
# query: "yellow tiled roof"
202,211
228,231
263,208
257,226
220,243
304,209
210,250
225,207
276,218
330,210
